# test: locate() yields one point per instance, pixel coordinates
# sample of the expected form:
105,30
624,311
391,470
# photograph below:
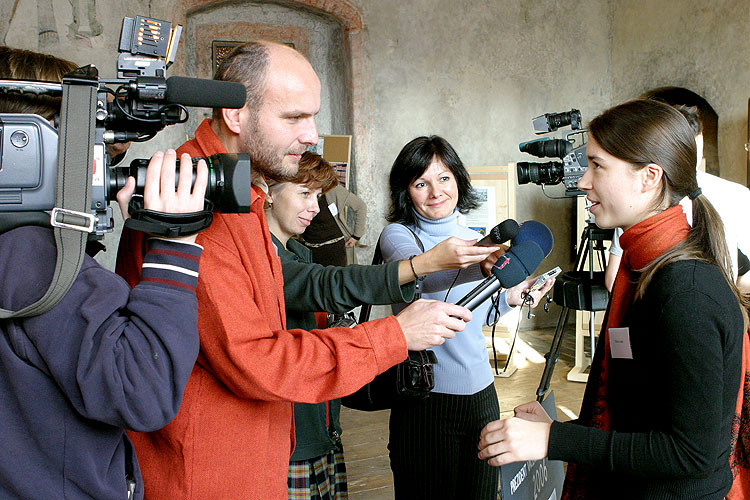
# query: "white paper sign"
619,343
484,218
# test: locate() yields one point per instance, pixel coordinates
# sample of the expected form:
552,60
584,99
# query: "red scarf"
641,244
739,458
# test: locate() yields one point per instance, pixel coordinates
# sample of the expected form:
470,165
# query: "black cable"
451,287
162,116
528,301
495,303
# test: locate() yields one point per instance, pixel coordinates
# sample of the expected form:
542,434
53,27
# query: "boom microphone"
501,233
204,93
511,268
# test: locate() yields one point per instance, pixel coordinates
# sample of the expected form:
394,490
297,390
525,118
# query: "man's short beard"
263,159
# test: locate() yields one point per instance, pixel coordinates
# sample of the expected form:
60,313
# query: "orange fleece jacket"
233,435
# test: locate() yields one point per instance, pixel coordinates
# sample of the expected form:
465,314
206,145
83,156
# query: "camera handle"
168,225
70,218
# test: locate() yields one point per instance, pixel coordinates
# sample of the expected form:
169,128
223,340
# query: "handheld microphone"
537,232
511,268
501,233
204,93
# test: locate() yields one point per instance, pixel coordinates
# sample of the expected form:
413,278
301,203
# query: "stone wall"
693,44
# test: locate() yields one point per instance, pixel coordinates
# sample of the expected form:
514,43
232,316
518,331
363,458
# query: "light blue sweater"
463,363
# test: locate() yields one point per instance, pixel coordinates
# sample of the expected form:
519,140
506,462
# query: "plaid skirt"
322,478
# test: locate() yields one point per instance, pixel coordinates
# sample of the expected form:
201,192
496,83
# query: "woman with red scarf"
657,413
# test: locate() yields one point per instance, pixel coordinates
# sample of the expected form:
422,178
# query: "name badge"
619,343
333,209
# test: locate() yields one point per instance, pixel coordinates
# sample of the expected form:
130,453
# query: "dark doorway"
706,113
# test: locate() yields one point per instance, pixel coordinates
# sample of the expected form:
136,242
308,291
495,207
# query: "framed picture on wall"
219,50
484,217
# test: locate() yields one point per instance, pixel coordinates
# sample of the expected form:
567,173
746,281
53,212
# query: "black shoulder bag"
412,379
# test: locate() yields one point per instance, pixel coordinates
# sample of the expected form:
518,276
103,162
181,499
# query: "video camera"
574,162
143,102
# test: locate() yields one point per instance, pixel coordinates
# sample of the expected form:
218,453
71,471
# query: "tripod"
581,290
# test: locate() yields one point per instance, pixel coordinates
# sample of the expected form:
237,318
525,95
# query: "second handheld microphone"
506,230
511,268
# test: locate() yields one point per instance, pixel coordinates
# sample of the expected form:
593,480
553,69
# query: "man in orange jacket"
233,435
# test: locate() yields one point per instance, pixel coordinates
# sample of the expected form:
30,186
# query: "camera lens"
229,180
558,120
541,148
549,173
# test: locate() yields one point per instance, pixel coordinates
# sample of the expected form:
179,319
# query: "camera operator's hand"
159,193
427,323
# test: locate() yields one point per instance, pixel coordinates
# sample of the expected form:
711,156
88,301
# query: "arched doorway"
709,118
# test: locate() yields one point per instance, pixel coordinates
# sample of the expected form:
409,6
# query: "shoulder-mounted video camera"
133,107
573,164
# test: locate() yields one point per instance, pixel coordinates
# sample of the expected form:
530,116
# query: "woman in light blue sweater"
432,443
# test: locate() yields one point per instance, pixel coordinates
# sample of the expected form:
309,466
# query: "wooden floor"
365,435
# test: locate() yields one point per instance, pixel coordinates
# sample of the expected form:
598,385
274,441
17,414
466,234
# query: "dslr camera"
573,164
133,107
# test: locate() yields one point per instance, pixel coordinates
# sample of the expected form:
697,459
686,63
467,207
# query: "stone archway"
352,24
708,117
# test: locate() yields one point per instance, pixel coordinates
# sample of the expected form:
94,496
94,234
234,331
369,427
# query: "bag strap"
377,258
71,217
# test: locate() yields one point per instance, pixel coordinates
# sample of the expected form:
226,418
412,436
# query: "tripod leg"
591,334
552,355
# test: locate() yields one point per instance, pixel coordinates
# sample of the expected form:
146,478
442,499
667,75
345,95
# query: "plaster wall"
702,46
69,29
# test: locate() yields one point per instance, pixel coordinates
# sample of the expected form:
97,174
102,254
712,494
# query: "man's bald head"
249,65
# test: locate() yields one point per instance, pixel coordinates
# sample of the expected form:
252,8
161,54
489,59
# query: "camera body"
142,104
573,165
27,141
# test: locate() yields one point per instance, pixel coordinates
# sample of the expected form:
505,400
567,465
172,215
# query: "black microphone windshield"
204,93
537,232
506,230
518,263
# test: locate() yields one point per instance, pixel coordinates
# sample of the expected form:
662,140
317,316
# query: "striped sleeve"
171,263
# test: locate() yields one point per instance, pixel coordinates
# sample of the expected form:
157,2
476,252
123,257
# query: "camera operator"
238,403
105,358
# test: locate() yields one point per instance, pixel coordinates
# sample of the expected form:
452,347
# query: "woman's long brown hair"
644,131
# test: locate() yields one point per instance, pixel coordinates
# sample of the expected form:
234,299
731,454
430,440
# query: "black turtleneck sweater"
672,404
